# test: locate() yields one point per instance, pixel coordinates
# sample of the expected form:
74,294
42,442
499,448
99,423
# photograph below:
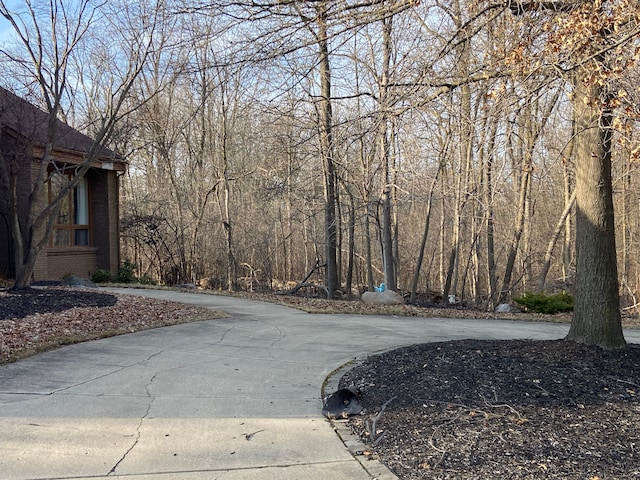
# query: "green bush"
543,303
126,272
146,280
101,276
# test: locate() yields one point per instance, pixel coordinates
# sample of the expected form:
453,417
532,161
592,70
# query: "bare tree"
48,40
531,131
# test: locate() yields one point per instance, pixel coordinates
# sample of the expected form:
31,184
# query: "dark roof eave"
25,122
110,161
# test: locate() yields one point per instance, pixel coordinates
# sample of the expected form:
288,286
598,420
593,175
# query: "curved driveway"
234,398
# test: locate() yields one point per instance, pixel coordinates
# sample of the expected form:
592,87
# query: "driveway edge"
370,463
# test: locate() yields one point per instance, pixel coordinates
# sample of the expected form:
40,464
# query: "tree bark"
465,158
326,140
352,245
596,315
567,186
487,196
388,259
517,231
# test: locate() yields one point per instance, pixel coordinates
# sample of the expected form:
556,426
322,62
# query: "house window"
72,225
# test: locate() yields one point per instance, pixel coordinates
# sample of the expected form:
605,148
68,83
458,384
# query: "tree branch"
519,8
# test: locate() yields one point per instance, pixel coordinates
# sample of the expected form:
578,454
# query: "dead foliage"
36,320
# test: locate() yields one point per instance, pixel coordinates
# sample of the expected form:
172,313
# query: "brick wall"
105,219
76,261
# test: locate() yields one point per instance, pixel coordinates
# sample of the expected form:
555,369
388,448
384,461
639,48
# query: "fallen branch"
476,409
372,426
304,283
623,381
501,405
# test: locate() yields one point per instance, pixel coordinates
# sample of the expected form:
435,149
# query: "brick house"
85,235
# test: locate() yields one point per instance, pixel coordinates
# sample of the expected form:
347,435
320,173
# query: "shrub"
543,303
146,280
126,272
101,276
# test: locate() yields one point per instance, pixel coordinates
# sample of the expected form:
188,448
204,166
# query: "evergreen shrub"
101,276
543,303
126,272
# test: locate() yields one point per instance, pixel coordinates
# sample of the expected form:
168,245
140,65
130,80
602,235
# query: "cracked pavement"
232,398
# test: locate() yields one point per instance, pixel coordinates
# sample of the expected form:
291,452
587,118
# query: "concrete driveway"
233,398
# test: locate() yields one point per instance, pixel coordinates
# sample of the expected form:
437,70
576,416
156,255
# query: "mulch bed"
502,409
32,301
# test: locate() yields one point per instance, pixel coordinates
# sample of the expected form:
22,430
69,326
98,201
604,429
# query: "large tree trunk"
596,315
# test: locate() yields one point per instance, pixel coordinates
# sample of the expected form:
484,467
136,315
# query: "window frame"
70,205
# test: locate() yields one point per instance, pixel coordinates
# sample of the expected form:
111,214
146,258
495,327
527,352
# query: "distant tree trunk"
567,240
388,258
442,243
425,232
624,222
365,188
529,137
332,282
487,196
517,232
596,315
552,243
465,156
527,272
367,244
352,244
232,264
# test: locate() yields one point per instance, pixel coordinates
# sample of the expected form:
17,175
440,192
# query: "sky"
6,30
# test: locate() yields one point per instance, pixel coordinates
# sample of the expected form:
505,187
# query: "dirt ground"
455,410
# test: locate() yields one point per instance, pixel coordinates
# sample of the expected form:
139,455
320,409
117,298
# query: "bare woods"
430,146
